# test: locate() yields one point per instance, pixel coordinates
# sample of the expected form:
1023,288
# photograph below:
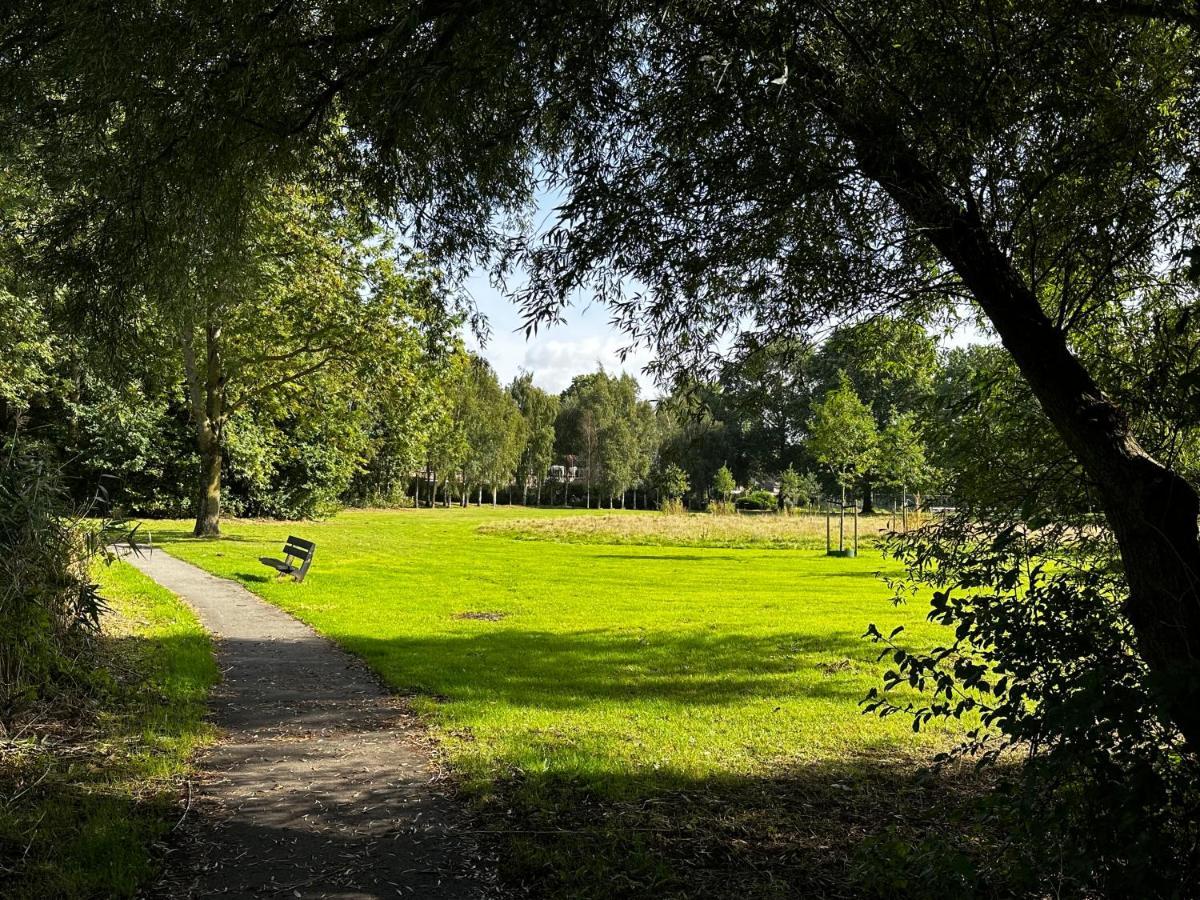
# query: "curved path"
322,785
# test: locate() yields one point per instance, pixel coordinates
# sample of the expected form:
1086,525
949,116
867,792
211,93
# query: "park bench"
297,557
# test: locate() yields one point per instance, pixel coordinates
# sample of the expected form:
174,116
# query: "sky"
586,341
556,354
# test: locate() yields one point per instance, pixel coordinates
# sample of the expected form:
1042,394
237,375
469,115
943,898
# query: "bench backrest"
298,547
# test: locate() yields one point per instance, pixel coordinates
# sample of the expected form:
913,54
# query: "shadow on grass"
858,827
160,535
558,670
247,577
84,797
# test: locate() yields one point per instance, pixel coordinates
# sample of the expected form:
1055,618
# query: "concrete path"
322,784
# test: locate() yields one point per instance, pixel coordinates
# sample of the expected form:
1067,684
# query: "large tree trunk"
1152,510
206,402
868,502
208,514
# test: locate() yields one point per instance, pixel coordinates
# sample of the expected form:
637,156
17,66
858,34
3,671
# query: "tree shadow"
862,826
254,578
564,670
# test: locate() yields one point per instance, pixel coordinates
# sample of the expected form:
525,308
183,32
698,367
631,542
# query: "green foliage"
723,484
49,605
758,500
540,410
901,457
790,488
129,438
609,431
671,482
494,429
26,345
842,433
1041,659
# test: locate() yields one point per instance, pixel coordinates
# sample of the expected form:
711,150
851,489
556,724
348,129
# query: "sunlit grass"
615,671
799,531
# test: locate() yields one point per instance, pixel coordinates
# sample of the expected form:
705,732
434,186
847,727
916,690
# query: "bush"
1044,661
758,500
49,605
721,508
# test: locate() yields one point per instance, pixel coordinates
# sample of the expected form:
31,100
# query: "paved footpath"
322,785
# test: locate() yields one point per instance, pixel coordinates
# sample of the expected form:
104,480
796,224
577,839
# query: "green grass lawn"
93,781
596,699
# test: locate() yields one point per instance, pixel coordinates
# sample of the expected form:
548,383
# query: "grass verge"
88,786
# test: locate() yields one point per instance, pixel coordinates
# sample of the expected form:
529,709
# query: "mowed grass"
558,675
92,783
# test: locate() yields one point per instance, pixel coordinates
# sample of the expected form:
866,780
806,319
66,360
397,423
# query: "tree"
901,458
448,448
891,363
599,423
540,410
495,432
795,488
724,484
309,293
671,482
842,434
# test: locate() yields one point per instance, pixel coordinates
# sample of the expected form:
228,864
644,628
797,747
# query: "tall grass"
799,531
89,787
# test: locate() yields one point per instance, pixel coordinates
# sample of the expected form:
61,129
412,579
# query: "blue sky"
584,343
555,354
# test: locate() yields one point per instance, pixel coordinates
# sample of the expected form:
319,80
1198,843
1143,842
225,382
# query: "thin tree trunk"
842,521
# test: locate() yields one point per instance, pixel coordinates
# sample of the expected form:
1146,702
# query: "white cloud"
555,361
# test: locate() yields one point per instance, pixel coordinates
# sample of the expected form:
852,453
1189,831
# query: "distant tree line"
333,374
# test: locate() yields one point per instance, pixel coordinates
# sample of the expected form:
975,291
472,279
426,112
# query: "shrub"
759,500
49,605
721,508
1044,661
